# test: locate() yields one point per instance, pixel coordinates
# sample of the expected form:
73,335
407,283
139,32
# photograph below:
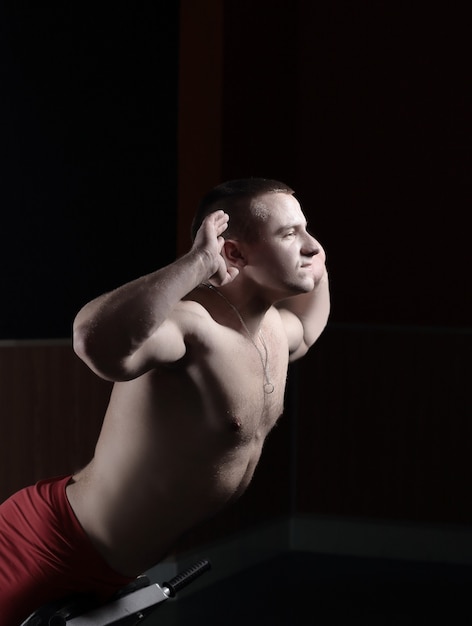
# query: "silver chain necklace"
268,385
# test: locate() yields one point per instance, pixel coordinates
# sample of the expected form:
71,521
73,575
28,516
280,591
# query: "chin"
309,287
308,280
302,286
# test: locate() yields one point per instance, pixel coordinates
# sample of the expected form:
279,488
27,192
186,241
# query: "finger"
221,222
217,216
223,276
232,272
221,243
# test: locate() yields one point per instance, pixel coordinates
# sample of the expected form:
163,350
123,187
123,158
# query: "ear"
233,253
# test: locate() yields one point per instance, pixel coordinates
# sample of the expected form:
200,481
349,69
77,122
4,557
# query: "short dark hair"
235,198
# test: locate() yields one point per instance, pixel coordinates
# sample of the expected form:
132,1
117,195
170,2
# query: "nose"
311,247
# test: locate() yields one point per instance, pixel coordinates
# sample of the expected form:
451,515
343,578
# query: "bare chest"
241,387
224,397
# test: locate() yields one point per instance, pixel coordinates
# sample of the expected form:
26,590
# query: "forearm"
123,333
114,325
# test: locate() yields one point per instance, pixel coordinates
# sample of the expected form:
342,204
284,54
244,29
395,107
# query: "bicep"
295,335
165,345
305,316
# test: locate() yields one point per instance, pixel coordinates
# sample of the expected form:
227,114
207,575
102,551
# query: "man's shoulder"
194,319
189,307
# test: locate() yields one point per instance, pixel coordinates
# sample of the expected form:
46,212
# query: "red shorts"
45,554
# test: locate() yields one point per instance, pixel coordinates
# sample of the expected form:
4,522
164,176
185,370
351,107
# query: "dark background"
88,158
363,107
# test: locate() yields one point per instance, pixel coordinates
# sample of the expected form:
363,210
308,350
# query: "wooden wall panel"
51,410
384,425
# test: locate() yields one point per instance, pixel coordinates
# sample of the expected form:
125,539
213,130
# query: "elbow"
86,348
79,342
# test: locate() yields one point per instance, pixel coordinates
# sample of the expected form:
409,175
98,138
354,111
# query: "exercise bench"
127,607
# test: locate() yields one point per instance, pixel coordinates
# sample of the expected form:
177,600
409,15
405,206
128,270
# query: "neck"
249,306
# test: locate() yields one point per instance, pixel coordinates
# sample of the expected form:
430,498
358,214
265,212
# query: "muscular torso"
179,443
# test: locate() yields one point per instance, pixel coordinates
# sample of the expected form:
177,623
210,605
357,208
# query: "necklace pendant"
268,388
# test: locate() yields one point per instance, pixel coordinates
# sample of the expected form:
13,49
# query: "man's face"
285,258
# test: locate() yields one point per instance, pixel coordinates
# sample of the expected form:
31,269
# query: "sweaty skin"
188,416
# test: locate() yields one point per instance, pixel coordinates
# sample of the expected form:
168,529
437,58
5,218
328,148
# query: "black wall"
365,109
88,155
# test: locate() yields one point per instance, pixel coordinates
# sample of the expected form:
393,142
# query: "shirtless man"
198,352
